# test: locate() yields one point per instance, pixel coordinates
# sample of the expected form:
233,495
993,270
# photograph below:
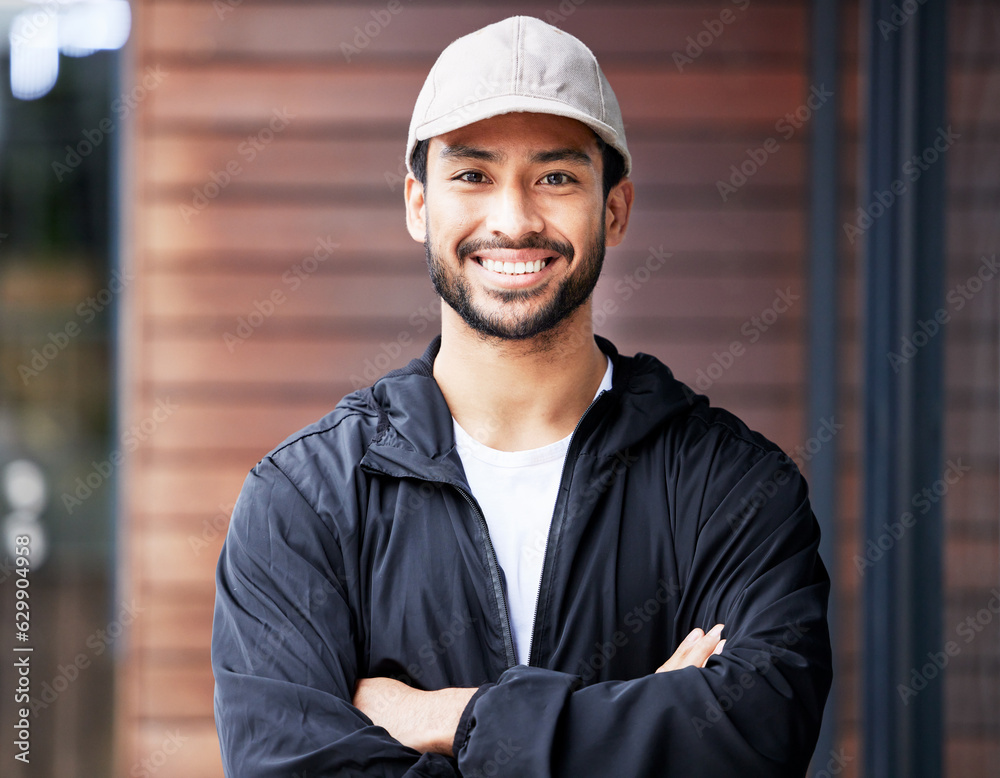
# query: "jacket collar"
415,438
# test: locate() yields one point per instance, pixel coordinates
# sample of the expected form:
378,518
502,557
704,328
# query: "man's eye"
471,176
556,179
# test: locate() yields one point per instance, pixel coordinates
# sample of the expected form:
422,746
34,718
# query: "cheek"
585,229
452,221
581,218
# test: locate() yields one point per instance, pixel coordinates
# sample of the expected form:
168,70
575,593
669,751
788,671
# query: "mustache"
475,245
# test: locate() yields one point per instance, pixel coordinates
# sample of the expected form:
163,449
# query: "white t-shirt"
517,492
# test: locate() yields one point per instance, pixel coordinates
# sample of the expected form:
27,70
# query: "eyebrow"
461,151
562,155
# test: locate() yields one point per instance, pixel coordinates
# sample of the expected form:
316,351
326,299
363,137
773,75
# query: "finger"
716,631
694,650
676,659
718,648
696,653
699,654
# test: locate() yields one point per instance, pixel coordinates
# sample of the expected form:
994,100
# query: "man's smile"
505,265
513,268
514,262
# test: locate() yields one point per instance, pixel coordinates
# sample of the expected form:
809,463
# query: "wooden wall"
972,381
332,173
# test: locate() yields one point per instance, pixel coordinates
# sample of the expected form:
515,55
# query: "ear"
617,211
416,208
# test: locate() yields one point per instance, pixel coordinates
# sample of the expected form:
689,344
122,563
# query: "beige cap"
518,64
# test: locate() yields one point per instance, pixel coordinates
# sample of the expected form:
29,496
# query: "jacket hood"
415,436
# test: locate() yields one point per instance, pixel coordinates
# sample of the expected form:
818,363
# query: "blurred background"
202,248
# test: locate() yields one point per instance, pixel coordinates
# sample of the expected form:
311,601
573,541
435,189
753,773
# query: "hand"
424,721
695,649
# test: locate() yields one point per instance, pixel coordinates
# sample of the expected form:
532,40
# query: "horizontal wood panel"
973,230
176,624
249,95
193,489
956,381
977,656
969,600
286,295
965,164
194,748
978,451
967,563
172,558
248,426
175,690
197,31
282,227
968,755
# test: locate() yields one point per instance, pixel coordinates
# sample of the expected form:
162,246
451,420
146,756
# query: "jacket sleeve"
754,710
284,648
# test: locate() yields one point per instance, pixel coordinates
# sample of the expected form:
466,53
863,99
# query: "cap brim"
488,107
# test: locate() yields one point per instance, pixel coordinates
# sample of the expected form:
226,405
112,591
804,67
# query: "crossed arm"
286,663
427,721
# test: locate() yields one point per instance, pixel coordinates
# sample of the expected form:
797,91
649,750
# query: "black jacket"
356,550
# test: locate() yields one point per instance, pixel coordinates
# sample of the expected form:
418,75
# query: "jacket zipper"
501,597
508,636
559,499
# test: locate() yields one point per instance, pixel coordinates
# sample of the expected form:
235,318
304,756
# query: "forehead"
518,135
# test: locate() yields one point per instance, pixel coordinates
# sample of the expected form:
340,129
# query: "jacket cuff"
465,722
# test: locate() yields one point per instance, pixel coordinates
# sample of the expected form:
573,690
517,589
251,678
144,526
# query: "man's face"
514,221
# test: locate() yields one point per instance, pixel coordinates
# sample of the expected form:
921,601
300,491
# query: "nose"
513,212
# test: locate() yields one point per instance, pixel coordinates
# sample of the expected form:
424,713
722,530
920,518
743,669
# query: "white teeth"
514,268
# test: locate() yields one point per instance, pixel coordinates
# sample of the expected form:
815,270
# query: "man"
516,555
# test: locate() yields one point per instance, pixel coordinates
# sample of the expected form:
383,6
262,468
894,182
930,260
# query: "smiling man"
519,554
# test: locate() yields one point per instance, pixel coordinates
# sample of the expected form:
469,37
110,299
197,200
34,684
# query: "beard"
572,292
